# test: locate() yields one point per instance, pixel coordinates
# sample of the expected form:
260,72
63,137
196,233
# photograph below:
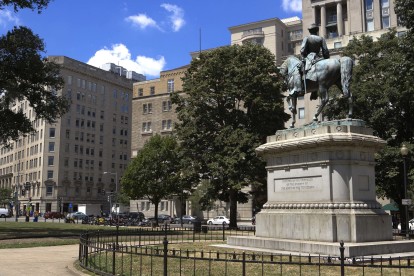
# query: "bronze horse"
328,72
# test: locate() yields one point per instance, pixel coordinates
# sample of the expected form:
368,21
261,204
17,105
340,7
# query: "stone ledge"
365,249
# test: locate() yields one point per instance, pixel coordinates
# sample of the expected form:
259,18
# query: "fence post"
165,242
86,248
223,231
113,258
342,249
244,263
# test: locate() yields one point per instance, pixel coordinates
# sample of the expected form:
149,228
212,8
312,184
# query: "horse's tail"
346,75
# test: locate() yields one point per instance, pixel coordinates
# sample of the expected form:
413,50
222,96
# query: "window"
51,146
146,127
368,5
166,124
385,3
147,108
166,106
69,80
152,90
49,174
301,113
370,25
49,190
170,86
385,22
52,133
140,92
50,160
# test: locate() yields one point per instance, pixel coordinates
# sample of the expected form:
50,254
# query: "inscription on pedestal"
298,184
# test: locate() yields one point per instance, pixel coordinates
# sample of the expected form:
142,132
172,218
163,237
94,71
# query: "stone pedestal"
321,190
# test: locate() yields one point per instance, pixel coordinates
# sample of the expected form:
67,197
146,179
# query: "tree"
5,196
26,75
230,102
154,172
22,4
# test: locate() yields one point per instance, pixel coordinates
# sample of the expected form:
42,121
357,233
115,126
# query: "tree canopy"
22,4
154,173
25,74
5,197
230,102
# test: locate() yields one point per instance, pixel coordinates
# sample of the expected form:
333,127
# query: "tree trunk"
156,212
233,208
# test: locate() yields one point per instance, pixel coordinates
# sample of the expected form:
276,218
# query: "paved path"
39,261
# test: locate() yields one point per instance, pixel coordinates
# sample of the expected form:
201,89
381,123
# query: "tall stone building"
68,159
153,113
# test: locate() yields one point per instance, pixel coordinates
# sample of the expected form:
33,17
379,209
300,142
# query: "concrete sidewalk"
39,261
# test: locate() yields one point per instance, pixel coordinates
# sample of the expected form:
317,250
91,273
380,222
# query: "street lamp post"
116,203
404,153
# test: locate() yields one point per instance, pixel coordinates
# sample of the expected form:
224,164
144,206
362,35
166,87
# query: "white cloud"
120,55
142,21
7,17
177,16
292,5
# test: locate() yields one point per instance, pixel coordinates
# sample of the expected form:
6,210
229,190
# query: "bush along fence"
151,252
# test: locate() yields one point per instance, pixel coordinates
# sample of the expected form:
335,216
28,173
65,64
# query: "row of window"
165,125
147,107
385,18
91,86
170,88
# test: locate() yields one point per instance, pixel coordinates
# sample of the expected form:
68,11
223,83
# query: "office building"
68,159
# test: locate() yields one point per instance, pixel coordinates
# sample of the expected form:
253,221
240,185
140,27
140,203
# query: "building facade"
280,36
153,113
80,158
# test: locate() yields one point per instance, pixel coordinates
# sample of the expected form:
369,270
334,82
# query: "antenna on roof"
200,40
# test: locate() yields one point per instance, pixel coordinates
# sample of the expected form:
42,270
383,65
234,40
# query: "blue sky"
146,36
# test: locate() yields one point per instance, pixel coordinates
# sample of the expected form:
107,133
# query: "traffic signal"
59,201
109,198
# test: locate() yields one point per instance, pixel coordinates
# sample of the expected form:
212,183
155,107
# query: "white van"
4,213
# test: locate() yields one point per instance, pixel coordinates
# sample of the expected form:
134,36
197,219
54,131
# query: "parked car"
137,215
187,219
76,216
218,220
162,218
4,213
53,215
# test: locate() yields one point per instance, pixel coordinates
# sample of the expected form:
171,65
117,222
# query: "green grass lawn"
22,234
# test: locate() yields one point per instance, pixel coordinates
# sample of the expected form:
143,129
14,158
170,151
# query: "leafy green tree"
26,75
154,173
230,102
5,196
22,4
405,11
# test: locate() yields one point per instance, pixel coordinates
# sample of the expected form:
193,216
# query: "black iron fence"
151,252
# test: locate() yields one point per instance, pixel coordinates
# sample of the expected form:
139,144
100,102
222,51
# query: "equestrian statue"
316,72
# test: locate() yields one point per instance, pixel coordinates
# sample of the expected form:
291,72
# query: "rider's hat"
313,28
